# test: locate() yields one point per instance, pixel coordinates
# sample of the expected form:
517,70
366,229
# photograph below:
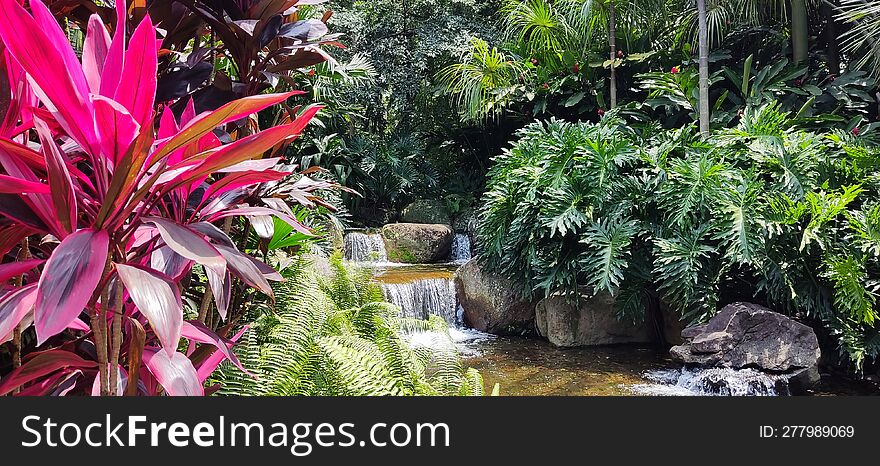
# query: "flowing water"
460,252
364,247
523,366
420,290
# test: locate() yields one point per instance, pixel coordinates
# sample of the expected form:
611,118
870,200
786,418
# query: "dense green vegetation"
672,153
765,210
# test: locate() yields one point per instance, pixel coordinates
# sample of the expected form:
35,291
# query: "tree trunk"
704,66
612,43
832,47
799,32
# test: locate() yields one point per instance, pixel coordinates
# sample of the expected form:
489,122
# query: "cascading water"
712,382
460,251
364,247
420,298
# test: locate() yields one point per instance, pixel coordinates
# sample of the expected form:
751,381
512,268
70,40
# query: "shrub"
125,211
763,211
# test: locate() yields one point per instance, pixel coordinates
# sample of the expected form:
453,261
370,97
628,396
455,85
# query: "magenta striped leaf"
14,269
198,332
68,281
96,46
188,243
60,183
206,122
221,287
209,365
13,185
14,307
136,89
158,299
244,268
42,49
174,372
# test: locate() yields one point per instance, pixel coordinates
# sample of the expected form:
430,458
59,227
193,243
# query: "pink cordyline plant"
108,212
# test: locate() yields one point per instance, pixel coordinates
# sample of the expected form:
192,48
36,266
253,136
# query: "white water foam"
708,382
460,251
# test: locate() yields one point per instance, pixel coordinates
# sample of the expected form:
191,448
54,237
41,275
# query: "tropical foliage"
109,214
763,211
334,335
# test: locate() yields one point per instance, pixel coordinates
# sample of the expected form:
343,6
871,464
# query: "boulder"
745,335
491,303
590,321
417,243
426,211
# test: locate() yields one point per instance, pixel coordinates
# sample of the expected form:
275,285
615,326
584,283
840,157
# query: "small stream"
530,366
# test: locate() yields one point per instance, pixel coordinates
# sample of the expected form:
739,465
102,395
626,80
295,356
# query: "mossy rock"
417,243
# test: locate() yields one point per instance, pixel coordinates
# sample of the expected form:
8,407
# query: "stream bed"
534,367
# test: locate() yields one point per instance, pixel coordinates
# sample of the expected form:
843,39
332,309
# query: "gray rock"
748,335
426,211
491,303
590,321
417,243
466,222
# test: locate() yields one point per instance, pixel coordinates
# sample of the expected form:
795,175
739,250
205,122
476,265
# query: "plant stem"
116,340
135,353
23,255
99,328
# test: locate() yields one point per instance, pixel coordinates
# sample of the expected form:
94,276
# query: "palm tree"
863,39
799,33
612,44
704,66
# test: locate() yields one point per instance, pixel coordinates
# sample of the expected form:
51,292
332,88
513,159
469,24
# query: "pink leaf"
12,185
158,300
13,307
237,180
112,72
264,211
41,48
247,148
136,89
243,267
14,269
70,277
169,262
117,127
206,122
78,324
95,49
58,384
210,364
221,287
41,364
174,372
60,183
188,243
198,332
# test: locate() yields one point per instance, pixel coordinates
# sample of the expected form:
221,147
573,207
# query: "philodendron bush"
106,206
762,211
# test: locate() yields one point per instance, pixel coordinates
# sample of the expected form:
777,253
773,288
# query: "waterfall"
420,298
712,382
364,247
461,248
